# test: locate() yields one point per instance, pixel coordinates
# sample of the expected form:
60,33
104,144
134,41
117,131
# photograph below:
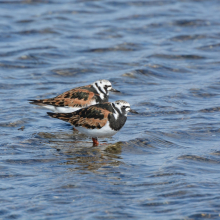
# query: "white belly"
105,131
65,109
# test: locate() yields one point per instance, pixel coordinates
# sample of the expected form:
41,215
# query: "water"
164,58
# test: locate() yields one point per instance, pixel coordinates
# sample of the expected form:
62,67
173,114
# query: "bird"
100,120
77,98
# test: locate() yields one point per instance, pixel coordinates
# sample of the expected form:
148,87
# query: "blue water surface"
164,58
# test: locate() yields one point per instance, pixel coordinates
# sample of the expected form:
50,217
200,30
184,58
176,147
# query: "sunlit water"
164,57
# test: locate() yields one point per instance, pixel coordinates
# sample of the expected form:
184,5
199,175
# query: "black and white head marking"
102,87
119,111
121,107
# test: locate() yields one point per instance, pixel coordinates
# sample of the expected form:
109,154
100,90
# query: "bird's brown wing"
73,98
91,117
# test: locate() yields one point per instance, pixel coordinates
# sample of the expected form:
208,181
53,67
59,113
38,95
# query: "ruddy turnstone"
101,120
78,98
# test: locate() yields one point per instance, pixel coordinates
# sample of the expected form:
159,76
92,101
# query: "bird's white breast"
105,131
65,109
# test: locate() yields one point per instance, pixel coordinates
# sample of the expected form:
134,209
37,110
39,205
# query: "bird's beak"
114,90
133,111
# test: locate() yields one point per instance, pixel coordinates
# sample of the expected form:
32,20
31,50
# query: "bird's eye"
117,103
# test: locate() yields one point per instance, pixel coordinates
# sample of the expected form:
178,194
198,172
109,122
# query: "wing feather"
73,98
92,117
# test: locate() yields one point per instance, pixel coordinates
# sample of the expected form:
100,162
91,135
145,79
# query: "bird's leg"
95,142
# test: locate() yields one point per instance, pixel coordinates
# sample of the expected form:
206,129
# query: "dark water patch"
156,26
178,193
203,215
6,188
61,137
159,142
198,159
150,143
38,56
183,38
156,204
202,93
167,174
192,23
14,65
3,212
208,129
140,3
216,153
69,186
214,87
12,124
13,216
25,21
121,47
50,135
29,161
187,136
19,51
136,17
25,2
145,72
168,69
108,34
49,85
15,176
40,31
35,209
210,110
32,60
139,146
156,71
178,57
167,113
211,47
153,105
71,71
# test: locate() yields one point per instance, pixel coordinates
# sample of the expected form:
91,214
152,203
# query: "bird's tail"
61,116
37,102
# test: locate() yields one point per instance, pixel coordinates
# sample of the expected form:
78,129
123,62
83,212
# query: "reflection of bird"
78,98
101,120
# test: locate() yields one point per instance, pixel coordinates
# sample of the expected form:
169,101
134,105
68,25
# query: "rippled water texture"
164,57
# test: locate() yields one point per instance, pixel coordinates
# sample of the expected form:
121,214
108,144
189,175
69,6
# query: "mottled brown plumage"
101,120
91,117
77,98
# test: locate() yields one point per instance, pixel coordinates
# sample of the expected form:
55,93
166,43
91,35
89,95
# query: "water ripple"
164,58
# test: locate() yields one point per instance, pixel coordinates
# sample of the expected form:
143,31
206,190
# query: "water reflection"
77,151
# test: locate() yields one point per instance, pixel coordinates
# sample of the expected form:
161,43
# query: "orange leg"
95,142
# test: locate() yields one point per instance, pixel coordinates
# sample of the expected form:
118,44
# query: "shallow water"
164,58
